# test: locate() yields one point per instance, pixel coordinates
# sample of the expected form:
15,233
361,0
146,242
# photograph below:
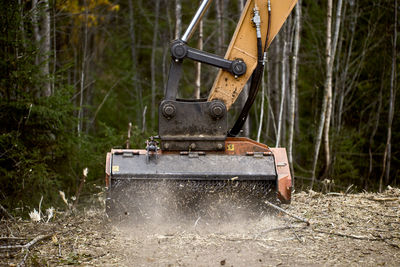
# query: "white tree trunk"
328,51
328,84
283,88
293,84
388,149
198,64
261,108
178,20
36,32
276,84
221,28
83,73
45,49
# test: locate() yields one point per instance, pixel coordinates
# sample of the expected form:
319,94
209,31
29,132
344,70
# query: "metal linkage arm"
180,50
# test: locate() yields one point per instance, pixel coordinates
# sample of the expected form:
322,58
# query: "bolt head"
168,111
217,110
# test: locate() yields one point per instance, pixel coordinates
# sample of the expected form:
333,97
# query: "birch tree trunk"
198,64
326,92
388,148
221,28
262,107
293,84
83,73
276,65
283,86
328,84
178,20
45,49
35,23
372,136
54,50
153,64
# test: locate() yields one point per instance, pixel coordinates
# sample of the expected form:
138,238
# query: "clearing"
354,229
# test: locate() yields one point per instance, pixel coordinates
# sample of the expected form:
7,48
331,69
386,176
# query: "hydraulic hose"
256,78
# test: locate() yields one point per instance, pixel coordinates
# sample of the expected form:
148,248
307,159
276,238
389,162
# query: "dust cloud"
175,222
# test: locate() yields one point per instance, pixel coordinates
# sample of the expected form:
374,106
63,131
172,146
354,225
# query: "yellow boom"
244,46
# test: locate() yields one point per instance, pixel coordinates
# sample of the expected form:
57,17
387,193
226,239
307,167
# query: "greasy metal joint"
179,50
238,67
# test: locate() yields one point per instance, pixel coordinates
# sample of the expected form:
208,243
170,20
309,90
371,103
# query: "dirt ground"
345,230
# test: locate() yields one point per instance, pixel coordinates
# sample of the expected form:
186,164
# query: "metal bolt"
193,146
217,110
168,111
166,145
219,146
238,68
179,51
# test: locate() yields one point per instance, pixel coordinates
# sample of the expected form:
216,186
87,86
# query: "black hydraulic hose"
256,78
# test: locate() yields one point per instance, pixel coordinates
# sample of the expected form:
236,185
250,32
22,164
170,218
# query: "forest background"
74,74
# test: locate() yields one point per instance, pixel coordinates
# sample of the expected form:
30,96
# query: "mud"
354,229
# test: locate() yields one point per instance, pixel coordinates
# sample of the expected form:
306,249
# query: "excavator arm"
259,23
243,45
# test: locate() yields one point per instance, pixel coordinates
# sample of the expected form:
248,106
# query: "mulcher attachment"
189,185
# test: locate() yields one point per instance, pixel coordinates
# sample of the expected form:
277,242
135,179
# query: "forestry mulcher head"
196,167
165,184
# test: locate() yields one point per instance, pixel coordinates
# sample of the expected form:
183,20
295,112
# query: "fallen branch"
359,237
6,213
27,245
390,243
255,239
287,213
22,263
335,194
385,239
383,199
